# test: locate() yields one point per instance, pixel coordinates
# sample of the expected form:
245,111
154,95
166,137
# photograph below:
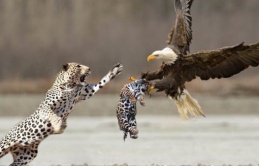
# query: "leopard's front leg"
90,89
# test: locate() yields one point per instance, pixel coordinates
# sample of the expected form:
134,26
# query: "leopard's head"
73,73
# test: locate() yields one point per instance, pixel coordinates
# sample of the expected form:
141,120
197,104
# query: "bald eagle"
179,67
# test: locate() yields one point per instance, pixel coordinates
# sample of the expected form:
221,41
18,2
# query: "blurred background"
37,37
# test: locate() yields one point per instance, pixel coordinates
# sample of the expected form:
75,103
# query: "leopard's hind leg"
126,114
3,152
5,145
133,126
122,117
22,155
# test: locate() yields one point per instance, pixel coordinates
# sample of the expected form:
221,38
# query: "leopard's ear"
65,67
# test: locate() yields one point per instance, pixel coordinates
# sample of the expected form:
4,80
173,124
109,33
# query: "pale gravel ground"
228,135
216,140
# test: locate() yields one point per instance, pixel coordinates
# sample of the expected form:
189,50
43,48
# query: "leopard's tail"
188,106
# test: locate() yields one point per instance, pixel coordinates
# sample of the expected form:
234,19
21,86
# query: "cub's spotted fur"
127,108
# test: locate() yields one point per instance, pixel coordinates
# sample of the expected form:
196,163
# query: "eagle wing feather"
221,63
181,33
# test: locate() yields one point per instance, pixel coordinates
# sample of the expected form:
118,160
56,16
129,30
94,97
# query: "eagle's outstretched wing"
221,63
181,34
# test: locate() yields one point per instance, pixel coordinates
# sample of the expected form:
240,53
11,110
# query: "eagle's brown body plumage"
222,63
179,67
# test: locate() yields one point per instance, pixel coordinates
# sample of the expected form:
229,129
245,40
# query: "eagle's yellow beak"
132,78
151,57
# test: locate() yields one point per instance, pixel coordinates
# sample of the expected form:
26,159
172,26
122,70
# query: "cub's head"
144,86
74,73
141,85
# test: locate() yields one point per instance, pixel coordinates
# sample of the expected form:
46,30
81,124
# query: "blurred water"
105,105
213,140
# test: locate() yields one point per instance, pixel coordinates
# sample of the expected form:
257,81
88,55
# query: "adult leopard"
69,88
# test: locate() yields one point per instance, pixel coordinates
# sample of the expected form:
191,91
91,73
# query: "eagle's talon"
150,89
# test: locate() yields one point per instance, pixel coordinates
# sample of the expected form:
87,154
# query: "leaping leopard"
69,88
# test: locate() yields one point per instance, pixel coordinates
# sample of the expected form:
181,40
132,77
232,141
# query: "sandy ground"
166,140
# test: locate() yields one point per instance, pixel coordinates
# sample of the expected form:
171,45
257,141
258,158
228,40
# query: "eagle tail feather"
188,106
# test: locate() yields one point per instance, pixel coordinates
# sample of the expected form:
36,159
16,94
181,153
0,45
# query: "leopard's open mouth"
82,78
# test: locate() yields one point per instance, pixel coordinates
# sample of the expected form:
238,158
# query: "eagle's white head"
167,55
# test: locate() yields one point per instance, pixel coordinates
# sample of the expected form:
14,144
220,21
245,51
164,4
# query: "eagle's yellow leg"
150,89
